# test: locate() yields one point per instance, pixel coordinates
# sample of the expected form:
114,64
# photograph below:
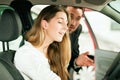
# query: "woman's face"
57,27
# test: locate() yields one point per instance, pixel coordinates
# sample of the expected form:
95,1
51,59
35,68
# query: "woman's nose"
66,27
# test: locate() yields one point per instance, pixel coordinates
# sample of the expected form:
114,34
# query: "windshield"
115,4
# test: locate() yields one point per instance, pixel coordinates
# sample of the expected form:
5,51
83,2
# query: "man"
77,59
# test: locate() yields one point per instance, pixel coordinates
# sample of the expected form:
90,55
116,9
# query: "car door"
104,32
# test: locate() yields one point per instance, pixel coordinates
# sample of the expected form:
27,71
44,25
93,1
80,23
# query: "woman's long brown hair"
59,53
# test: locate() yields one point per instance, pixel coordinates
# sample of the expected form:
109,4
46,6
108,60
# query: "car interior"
16,20
113,69
9,20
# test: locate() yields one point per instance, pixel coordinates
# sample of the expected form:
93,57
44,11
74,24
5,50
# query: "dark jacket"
74,47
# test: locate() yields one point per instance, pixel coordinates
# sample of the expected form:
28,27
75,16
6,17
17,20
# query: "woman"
46,52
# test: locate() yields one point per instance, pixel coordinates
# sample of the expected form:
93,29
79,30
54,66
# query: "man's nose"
73,22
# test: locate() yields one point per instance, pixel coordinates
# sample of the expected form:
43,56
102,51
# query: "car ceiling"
93,4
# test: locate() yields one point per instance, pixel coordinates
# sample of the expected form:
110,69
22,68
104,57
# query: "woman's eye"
60,22
78,19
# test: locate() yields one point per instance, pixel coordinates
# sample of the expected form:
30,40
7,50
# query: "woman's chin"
59,40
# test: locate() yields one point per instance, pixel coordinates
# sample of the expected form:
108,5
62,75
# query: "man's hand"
84,60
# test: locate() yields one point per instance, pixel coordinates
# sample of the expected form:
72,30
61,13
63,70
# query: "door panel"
104,60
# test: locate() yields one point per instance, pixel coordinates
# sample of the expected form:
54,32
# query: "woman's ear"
44,24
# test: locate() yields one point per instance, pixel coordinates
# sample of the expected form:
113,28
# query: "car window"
115,4
35,10
106,30
85,39
13,45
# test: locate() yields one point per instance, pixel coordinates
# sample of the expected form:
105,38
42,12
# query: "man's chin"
71,30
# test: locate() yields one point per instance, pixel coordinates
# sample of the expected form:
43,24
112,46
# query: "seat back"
10,29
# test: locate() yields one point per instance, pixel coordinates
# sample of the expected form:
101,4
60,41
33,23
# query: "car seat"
24,12
10,29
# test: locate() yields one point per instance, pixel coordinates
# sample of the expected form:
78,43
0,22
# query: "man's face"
76,14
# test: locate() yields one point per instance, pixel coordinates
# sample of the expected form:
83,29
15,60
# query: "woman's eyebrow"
62,18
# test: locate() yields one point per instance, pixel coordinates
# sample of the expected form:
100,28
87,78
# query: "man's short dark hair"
65,6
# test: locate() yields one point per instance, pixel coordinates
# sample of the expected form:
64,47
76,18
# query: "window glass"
35,10
85,40
116,5
106,30
13,45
